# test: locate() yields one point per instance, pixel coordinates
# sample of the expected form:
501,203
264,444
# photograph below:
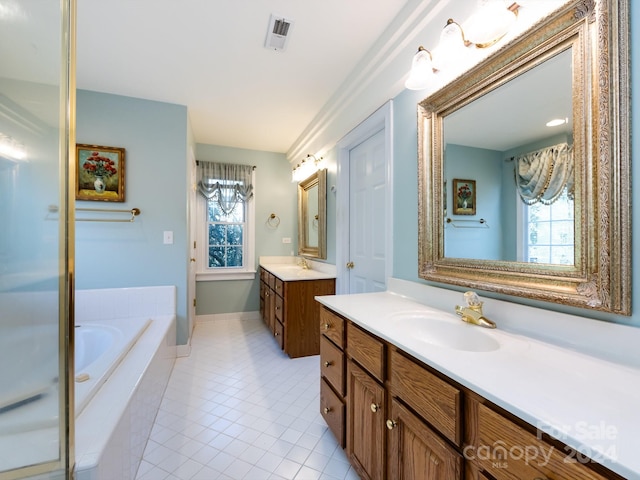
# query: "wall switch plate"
168,237
286,239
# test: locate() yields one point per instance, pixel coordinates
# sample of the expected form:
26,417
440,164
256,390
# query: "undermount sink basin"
428,328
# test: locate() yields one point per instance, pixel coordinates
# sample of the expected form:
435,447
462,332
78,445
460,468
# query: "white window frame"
522,220
248,271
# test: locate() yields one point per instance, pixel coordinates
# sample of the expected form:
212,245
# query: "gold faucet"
472,313
304,264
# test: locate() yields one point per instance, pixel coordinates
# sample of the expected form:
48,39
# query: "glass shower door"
36,239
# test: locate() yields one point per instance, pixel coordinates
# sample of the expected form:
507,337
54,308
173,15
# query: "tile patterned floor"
238,408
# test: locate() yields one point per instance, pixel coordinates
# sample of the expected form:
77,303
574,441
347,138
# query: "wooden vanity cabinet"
290,311
332,373
406,421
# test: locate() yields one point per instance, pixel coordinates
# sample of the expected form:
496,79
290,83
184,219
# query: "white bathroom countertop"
287,269
589,403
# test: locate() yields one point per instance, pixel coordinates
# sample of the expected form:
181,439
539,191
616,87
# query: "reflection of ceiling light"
11,148
557,121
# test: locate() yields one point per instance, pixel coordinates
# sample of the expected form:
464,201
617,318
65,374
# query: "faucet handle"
472,299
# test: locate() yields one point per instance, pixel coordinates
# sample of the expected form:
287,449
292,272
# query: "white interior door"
367,218
364,205
191,283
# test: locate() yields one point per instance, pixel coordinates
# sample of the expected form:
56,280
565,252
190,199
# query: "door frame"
381,119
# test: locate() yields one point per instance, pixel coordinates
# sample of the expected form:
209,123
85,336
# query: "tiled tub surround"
575,378
112,430
133,330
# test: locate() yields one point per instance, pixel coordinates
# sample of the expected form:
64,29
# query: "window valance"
543,175
226,183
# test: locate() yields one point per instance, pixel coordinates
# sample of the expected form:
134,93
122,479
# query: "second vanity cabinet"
288,308
405,420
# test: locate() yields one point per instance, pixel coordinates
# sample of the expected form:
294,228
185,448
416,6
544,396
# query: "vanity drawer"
278,286
332,364
279,308
497,435
367,350
332,410
332,326
271,279
438,402
278,332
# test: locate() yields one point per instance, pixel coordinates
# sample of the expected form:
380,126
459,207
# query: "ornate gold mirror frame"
312,215
600,278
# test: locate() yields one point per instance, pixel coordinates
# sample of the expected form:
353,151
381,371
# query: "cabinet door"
415,452
365,423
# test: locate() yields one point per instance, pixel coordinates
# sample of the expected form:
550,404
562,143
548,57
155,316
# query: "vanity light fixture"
485,28
452,50
421,70
556,122
309,165
491,22
12,149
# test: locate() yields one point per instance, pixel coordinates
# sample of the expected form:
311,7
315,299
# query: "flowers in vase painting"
465,197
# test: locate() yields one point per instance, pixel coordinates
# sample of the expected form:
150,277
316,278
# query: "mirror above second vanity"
507,204
312,215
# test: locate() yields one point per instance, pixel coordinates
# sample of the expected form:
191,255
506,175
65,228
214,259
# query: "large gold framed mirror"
510,205
312,215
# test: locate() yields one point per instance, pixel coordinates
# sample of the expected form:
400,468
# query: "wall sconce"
491,22
452,52
421,70
307,167
12,149
483,29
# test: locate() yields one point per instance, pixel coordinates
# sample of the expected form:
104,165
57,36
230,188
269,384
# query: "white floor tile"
238,408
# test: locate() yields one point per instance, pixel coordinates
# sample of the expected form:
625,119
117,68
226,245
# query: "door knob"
350,265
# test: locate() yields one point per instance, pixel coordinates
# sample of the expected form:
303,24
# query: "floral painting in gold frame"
464,197
99,173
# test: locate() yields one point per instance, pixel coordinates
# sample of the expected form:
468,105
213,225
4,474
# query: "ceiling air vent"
278,33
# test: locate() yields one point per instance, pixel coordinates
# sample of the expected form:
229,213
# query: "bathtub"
122,366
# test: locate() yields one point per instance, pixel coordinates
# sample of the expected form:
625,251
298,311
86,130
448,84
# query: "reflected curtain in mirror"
542,176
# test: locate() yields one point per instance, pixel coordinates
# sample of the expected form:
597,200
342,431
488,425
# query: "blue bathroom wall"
406,193
155,138
464,236
274,192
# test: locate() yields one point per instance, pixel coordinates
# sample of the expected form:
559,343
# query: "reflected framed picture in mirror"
464,197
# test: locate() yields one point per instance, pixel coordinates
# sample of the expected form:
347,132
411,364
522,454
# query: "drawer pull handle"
277,334
375,407
327,326
391,424
327,410
328,364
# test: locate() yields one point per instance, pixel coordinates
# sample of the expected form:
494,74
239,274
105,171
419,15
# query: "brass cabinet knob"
326,410
327,326
277,334
391,424
328,364
375,407
350,265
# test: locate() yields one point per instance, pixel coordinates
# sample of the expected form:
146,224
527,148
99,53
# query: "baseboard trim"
216,317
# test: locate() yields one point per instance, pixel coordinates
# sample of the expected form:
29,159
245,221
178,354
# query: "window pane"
540,254
217,234
562,233
562,255
234,257
234,235
216,257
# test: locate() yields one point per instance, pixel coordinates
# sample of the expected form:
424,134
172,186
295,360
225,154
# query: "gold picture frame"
464,197
100,173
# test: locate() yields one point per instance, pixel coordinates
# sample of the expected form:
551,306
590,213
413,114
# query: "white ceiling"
209,55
